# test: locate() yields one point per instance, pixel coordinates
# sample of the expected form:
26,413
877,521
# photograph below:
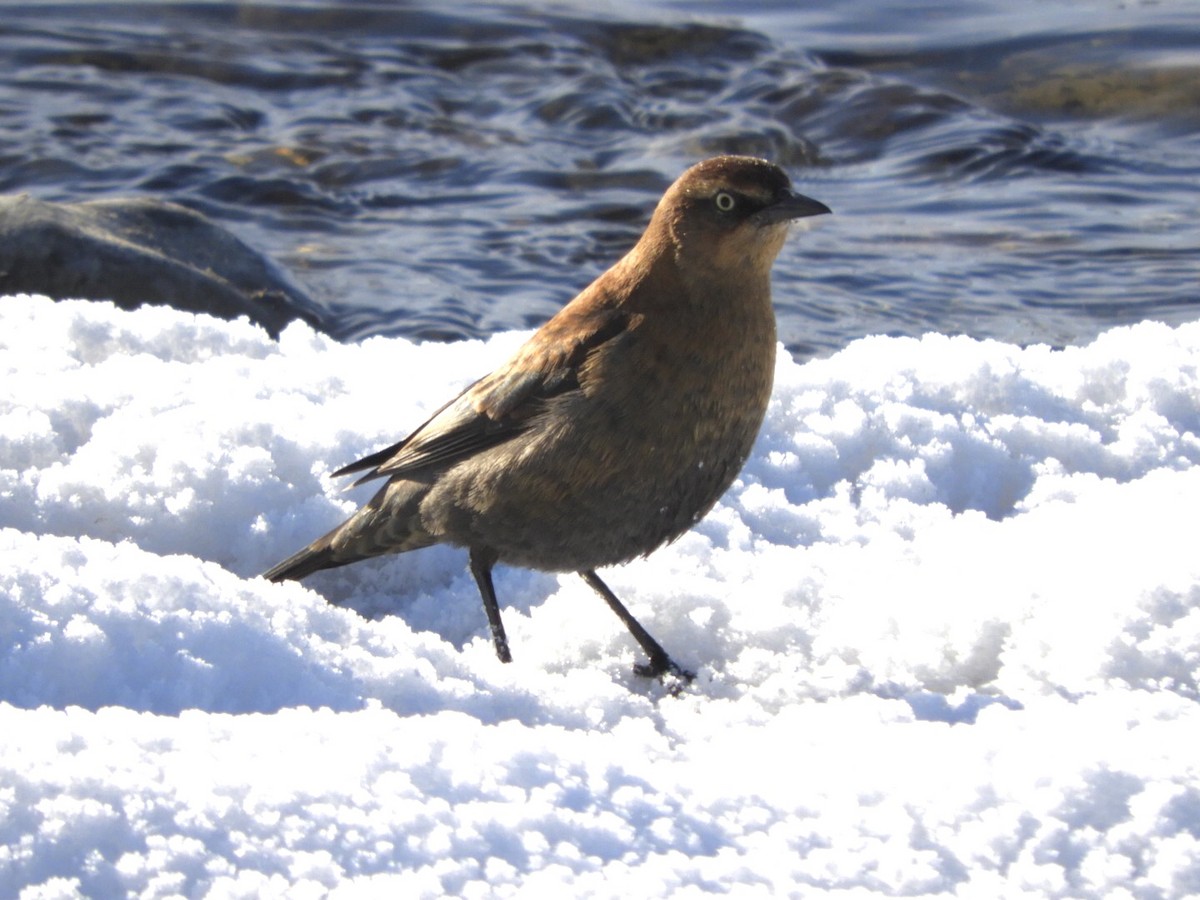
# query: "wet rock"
139,250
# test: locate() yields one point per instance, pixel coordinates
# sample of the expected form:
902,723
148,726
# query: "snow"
946,628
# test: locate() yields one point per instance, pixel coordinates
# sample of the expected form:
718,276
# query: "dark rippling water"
1015,169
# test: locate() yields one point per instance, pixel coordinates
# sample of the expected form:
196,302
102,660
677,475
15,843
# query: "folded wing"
502,405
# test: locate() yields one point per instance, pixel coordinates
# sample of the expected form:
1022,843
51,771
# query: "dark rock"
137,251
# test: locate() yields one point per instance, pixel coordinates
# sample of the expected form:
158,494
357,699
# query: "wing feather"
499,406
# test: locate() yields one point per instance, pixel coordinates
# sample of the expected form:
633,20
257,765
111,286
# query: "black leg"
481,567
660,664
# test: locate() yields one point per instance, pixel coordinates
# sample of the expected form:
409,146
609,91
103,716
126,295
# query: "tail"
389,523
316,556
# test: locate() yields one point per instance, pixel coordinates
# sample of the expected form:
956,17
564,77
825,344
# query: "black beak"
789,205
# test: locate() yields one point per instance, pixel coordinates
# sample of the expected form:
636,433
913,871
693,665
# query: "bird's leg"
482,561
660,664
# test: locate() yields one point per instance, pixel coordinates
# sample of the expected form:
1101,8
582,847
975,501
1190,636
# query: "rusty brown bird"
617,425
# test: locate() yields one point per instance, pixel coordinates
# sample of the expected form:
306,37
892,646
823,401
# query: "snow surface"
946,628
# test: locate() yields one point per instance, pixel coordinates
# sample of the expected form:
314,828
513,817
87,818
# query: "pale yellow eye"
725,201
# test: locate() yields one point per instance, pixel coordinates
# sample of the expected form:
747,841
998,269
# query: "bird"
616,426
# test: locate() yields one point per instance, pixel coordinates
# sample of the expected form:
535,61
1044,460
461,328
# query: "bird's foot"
500,642
672,676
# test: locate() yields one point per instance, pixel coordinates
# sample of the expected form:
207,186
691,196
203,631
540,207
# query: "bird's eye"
725,201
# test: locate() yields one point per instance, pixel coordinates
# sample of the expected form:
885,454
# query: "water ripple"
998,171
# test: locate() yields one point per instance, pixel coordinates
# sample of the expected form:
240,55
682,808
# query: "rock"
139,250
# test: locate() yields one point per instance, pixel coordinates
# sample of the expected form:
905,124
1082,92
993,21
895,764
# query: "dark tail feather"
388,523
316,556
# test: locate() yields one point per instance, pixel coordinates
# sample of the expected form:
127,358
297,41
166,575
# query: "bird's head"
728,216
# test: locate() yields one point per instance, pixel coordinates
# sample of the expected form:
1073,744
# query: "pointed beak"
789,205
